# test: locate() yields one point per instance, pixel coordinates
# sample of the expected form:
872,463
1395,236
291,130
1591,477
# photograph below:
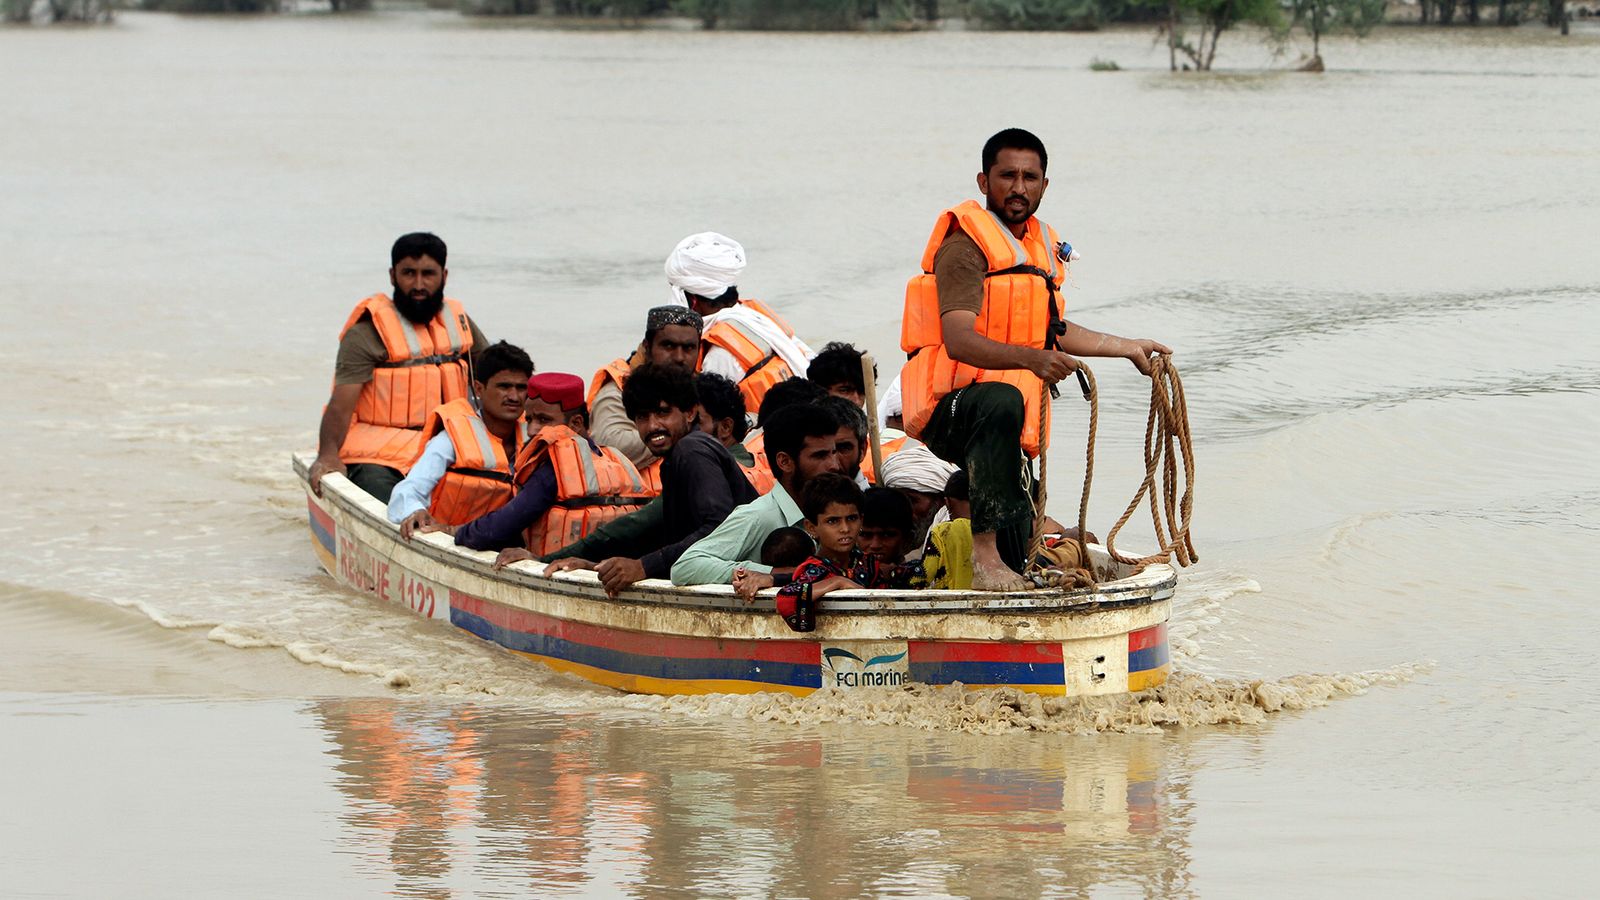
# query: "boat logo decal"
851,670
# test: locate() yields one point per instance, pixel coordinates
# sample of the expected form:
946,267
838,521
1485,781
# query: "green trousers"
379,481
979,428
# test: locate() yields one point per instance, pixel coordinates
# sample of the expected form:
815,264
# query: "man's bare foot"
999,579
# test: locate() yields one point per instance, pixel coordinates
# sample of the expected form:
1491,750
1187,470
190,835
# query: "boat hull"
659,639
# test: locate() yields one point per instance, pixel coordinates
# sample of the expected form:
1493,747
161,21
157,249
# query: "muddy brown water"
1381,283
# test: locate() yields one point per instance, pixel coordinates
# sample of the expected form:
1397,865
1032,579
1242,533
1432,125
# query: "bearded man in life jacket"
986,329
401,355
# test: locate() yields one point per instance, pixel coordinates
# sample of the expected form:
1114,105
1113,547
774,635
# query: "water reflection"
444,799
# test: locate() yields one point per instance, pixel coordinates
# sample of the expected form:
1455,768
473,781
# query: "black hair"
787,430
416,245
838,363
500,357
845,414
883,507
787,547
651,385
827,489
1014,139
958,487
722,399
727,298
790,392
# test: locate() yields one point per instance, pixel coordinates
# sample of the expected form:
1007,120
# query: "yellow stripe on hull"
1149,678
329,563
645,684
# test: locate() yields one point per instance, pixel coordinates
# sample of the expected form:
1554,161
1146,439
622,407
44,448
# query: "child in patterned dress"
832,507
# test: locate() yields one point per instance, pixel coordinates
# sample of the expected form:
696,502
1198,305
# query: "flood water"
1381,284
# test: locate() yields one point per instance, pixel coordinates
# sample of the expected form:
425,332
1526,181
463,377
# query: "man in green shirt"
800,445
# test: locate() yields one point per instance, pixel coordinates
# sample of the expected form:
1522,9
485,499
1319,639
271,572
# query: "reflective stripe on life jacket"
479,481
591,489
763,366
1021,306
426,367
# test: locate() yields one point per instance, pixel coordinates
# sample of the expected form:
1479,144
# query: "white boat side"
660,638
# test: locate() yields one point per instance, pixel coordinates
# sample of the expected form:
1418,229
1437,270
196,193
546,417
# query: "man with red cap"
559,476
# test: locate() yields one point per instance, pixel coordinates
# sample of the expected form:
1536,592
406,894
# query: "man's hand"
422,522
1144,350
1052,365
512,555
323,466
567,564
747,584
618,572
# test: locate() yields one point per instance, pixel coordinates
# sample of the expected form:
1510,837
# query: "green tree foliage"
1318,17
1045,15
213,6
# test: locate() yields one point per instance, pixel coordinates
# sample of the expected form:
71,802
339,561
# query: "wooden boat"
659,639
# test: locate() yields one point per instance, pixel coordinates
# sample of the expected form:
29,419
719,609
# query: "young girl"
832,507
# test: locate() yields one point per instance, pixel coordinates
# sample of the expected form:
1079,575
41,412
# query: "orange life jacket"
886,449
426,367
1021,306
590,489
479,481
757,445
651,474
615,372
762,365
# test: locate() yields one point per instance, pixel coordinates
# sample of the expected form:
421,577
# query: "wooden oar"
870,381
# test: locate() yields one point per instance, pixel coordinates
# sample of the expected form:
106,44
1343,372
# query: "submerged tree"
1319,17
1215,17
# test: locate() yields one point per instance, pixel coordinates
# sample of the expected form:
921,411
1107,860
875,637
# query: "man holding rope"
987,333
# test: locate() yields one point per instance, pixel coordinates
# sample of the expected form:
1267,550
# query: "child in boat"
947,556
787,547
832,505
885,524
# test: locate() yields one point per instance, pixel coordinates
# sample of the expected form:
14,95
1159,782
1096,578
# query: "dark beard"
420,312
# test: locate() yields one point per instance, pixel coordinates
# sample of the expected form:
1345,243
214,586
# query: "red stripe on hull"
321,515
955,651
1154,636
798,652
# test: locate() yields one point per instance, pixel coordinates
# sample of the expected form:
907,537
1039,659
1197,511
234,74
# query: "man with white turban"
921,477
744,340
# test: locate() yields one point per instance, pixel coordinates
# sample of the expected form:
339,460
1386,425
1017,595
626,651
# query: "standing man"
744,340
400,356
671,338
987,331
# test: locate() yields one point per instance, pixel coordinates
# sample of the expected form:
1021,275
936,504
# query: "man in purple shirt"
554,398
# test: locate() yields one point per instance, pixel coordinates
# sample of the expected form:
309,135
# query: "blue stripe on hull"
323,537
635,664
987,673
1148,658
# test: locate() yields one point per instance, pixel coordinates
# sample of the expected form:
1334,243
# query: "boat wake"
1187,700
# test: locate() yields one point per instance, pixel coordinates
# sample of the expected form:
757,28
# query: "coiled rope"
1166,438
